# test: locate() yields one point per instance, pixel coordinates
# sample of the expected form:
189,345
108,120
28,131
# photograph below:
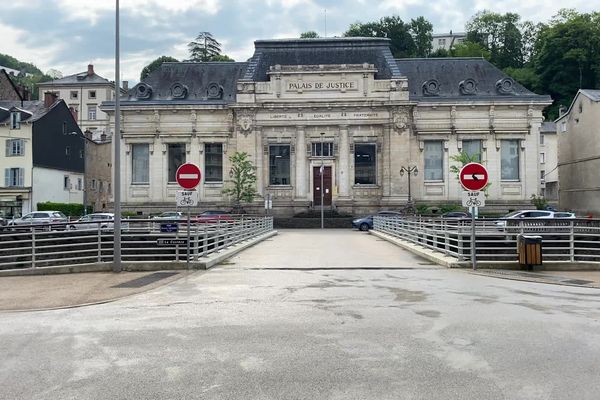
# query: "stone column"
344,158
259,163
301,178
386,151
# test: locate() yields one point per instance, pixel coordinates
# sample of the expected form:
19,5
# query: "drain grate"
577,282
145,280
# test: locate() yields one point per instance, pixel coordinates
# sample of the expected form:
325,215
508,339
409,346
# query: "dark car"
457,214
213,216
366,223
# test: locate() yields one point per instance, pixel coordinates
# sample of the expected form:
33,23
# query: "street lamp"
117,149
321,170
409,170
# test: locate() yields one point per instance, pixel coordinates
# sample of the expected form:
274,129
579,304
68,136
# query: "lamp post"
409,170
321,170
117,162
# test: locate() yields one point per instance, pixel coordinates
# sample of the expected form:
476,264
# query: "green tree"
461,159
525,76
243,180
567,56
469,49
402,42
206,48
309,35
422,33
154,65
500,35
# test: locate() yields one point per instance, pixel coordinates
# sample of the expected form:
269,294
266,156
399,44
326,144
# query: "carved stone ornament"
143,91
431,88
468,87
179,91
505,86
245,122
401,120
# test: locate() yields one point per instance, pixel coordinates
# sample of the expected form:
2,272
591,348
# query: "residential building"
98,171
43,157
446,41
579,154
350,107
549,161
83,93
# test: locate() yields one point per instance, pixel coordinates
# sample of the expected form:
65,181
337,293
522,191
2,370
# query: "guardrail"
570,240
49,245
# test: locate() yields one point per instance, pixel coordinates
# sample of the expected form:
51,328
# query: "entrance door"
326,186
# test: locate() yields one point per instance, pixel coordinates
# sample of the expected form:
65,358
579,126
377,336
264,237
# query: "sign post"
188,176
473,177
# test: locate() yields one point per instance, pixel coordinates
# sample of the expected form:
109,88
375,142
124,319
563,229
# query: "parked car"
170,215
92,221
213,216
366,223
54,219
457,214
524,214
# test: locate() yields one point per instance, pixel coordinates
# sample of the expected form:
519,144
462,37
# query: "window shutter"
7,177
21,177
8,142
22,147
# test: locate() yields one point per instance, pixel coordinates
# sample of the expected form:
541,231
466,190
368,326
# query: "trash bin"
529,249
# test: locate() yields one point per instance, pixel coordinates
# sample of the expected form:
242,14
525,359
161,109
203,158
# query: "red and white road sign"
473,176
188,176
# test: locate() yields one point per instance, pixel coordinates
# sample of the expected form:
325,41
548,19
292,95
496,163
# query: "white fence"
39,246
569,240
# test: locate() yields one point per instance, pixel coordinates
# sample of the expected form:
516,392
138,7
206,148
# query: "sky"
67,35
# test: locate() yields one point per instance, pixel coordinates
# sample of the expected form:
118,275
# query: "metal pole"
187,261
409,194
473,246
117,140
84,174
322,170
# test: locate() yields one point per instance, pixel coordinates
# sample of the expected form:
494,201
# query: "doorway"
326,186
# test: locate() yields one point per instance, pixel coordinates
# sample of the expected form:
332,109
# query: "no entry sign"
188,176
473,176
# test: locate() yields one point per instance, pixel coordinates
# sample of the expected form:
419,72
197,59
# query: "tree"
469,49
243,180
309,35
154,65
221,58
500,35
421,31
206,48
402,42
54,73
567,56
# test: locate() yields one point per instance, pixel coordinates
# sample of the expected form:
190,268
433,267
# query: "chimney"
88,134
103,137
73,113
126,85
90,69
49,99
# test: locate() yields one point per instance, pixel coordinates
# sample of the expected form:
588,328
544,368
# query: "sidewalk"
589,279
70,290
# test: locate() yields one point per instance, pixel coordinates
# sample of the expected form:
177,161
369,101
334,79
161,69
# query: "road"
314,315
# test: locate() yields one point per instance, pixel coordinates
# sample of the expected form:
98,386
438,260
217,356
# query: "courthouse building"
343,102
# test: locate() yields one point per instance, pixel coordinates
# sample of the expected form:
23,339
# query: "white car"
525,214
92,221
170,215
55,219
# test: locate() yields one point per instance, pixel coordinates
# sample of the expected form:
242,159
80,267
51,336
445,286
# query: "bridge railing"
569,240
49,245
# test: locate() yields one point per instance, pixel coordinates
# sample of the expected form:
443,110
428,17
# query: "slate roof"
592,94
323,51
205,83
34,110
450,72
78,79
548,127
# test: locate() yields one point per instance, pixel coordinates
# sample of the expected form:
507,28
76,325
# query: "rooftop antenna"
325,22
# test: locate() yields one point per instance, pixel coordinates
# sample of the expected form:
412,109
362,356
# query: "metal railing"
570,240
73,243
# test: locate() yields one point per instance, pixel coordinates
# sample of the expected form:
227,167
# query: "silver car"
54,219
94,221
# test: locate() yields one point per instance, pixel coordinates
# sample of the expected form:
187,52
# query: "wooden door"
326,186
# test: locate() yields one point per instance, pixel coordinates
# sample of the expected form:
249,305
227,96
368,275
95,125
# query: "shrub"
539,202
444,208
69,209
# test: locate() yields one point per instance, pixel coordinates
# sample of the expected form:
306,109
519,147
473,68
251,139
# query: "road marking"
188,176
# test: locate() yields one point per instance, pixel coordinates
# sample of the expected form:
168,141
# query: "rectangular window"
92,112
15,120
541,138
67,151
434,160
100,186
509,160
176,158
327,149
542,175
14,177
473,149
93,184
66,183
91,94
15,147
542,158
213,162
442,42
74,94
279,165
140,163
79,184
365,164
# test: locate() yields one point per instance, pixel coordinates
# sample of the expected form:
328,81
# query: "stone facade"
372,113
8,91
579,154
98,172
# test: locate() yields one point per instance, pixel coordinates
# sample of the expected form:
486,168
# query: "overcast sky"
68,34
